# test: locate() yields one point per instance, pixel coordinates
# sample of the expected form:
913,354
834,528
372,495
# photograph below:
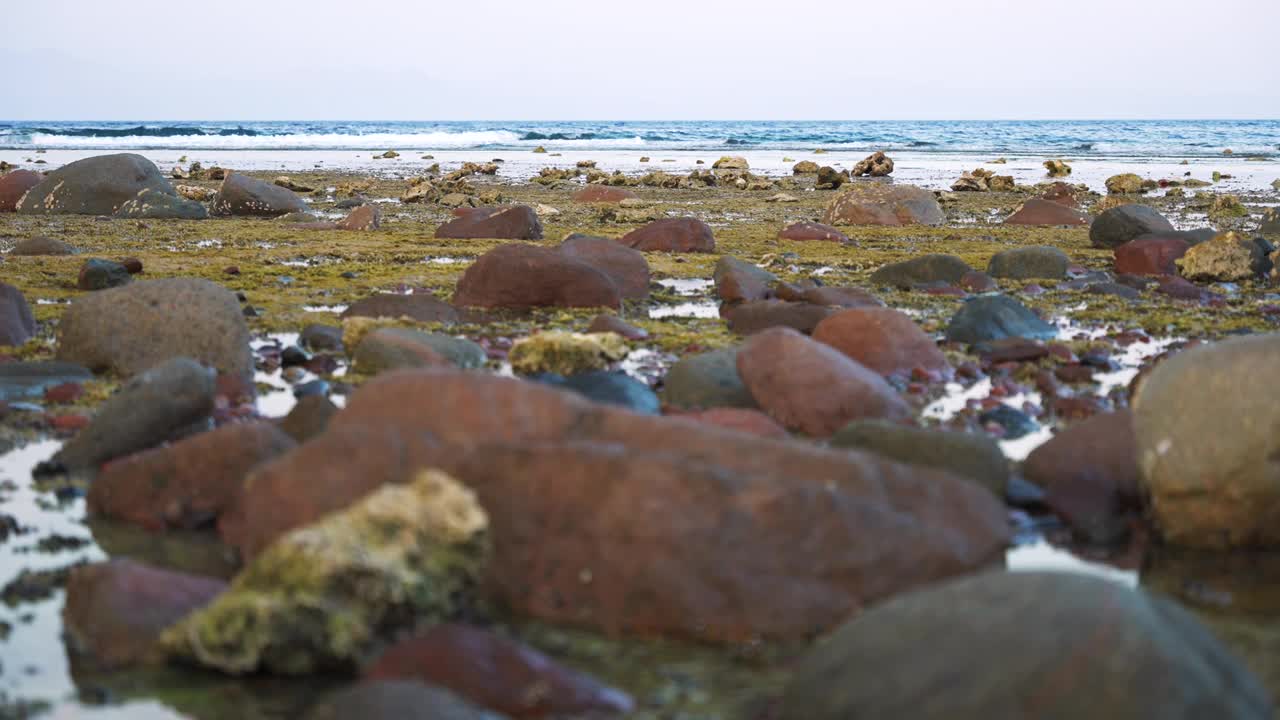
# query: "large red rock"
812,387
243,195
677,541
523,276
116,610
1063,194
738,281
806,231
684,234
878,203
603,194
626,267
1152,255
497,673
187,484
884,340
365,217
1039,211
514,222
14,185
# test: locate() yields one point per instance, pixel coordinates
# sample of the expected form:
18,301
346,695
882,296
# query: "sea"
931,153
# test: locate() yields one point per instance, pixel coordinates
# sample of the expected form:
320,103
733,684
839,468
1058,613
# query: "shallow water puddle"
687,286
279,400
701,309
1040,555
325,308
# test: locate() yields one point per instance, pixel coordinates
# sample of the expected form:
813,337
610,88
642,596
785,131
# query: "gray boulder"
94,186
149,204
1029,262
243,195
1119,225
991,317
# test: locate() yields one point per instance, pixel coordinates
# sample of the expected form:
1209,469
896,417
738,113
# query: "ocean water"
1083,139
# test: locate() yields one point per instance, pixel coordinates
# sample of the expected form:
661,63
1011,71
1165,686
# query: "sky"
648,60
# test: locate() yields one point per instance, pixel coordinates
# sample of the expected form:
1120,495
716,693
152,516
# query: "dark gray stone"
923,270
970,455
991,317
708,380
1123,224
152,205
1029,262
609,388
97,185
17,324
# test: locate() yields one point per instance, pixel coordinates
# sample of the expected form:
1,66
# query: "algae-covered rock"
1226,258
1125,184
1057,168
566,353
321,595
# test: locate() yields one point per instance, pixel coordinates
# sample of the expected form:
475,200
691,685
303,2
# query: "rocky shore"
702,445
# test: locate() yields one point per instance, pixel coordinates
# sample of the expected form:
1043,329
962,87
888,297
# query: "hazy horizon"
391,60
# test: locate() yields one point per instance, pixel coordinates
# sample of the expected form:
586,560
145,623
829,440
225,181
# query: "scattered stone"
565,353
972,455
752,317
1041,212
94,186
730,163
1025,263
16,184
195,193
1122,224
116,610
98,274
923,270
1012,422
150,408
678,235
321,337
518,275
243,195
875,165
1057,168
31,379
421,307
603,194
390,348
1173,667
155,205
884,204
17,324
738,281
1205,444
707,380
132,328
992,317
829,179
1150,255
421,545
309,417
805,167
513,222
883,340
812,387
497,673
365,217
805,231
607,387
613,324
1226,258
1125,184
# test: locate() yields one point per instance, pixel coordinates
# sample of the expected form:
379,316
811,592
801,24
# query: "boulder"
16,184
309,417
132,328
1206,443
94,186
149,409
679,235
365,217
186,484
1150,255
806,231
565,353
1025,263
99,274
991,317
1119,225
390,348
738,281
846,297
626,267
875,165
971,455
603,194
243,195
811,387
17,323
805,167
882,339
983,647
877,203
422,307
41,246
1226,258
151,204
730,163
923,270
706,380
322,595
1063,194
1125,184
1038,211
523,276
752,317
497,673
606,323
829,179
396,700
1057,168
116,610
504,222
1089,472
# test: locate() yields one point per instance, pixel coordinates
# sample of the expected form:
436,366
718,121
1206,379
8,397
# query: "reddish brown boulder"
684,234
243,195
1090,475
805,231
116,610
523,276
497,673
878,203
186,484
514,222
884,340
626,267
753,317
422,307
1038,211
738,281
1181,289
14,185
812,387
1152,255
846,297
603,194
743,420
365,217
1063,194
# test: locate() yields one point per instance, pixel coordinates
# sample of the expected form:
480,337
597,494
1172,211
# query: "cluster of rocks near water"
776,491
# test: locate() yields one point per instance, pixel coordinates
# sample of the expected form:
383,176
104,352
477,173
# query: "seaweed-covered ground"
290,277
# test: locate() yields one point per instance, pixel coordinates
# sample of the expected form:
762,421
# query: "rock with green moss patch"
971,455
566,353
322,595
154,205
1125,184
1226,258
389,348
923,270
707,380
1029,262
